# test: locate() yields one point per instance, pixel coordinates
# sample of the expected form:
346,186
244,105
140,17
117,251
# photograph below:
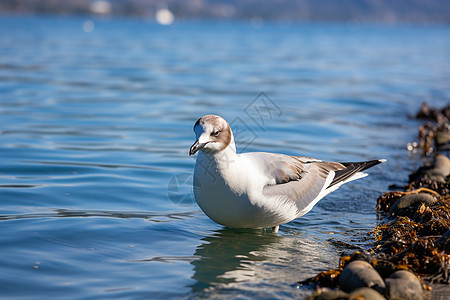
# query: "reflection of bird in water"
258,189
227,256
236,259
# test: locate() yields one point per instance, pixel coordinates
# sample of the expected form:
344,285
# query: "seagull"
259,189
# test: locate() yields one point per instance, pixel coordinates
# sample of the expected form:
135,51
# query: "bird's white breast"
229,191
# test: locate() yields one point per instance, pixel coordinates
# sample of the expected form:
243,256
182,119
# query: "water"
95,127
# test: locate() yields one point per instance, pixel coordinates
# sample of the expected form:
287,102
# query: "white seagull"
259,189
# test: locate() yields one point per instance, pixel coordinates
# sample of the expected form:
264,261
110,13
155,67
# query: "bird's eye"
216,133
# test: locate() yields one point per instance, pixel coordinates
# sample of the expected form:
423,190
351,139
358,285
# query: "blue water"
95,127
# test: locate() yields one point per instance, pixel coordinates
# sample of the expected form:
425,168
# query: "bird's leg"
275,228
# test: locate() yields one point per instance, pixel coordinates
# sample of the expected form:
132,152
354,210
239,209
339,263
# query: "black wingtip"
365,164
351,168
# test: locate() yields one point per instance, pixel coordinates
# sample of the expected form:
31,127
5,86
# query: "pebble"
441,169
366,293
404,285
442,136
359,274
402,205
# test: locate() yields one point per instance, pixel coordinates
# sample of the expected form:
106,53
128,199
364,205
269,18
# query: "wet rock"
367,294
430,113
359,274
441,169
407,205
443,139
432,176
327,294
404,285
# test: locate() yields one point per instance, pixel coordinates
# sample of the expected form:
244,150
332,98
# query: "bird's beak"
195,147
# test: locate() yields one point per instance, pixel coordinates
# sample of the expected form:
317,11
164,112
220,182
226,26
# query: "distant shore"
359,11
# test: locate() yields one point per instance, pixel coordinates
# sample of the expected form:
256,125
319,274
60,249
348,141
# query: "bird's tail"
353,170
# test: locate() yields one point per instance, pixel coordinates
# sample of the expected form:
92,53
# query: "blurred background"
97,104
380,11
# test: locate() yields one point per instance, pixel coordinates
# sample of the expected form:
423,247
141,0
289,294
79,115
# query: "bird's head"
213,134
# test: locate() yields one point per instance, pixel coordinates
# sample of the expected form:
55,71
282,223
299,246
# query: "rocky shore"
410,257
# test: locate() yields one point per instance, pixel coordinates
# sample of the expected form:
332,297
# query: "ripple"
170,259
156,217
19,186
95,165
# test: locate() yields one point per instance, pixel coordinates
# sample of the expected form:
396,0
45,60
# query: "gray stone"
440,170
400,207
327,294
403,285
442,138
359,274
366,293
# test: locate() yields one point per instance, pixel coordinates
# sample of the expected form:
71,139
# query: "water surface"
95,129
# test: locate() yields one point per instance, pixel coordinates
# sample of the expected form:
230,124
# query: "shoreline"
410,257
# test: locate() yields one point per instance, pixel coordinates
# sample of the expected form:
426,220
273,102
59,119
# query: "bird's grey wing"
305,190
303,181
281,168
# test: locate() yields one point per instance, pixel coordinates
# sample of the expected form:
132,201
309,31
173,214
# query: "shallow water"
95,129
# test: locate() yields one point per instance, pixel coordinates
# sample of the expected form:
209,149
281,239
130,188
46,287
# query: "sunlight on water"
96,123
